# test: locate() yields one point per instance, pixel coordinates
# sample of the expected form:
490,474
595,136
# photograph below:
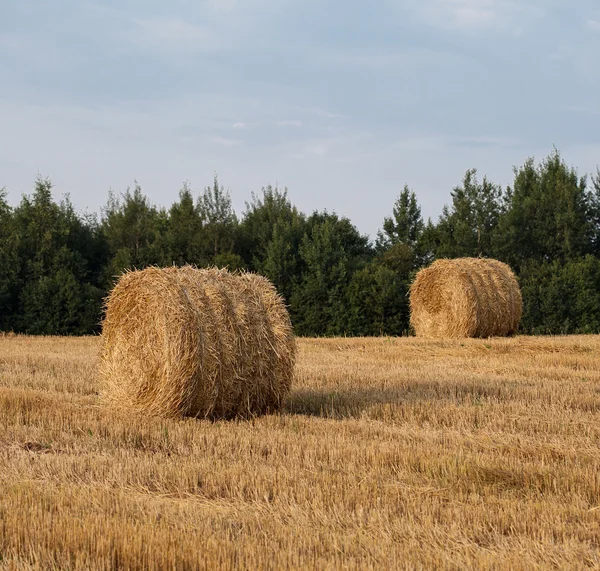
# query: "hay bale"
203,343
465,297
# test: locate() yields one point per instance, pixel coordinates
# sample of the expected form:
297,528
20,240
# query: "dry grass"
465,297
393,453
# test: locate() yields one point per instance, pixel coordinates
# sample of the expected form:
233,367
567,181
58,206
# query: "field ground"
392,453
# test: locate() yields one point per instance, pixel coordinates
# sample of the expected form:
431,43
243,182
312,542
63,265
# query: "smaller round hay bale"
465,297
203,343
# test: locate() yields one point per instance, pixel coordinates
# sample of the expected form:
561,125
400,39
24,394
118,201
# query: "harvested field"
391,453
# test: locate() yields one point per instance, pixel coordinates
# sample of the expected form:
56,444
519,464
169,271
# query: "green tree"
546,214
377,300
9,264
561,298
467,227
331,251
593,200
271,232
185,237
57,291
282,263
134,231
262,215
219,221
406,223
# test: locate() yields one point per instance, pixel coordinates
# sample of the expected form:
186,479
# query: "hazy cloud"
479,15
290,123
226,142
593,24
223,5
174,34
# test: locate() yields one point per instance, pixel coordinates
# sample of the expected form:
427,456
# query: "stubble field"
391,453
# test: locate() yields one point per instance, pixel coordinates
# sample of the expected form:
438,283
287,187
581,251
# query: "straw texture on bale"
196,342
465,297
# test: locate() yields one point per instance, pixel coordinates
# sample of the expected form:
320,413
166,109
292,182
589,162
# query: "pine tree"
331,251
406,224
134,231
219,221
271,232
546,215
9,265
185,238
57,292
467,227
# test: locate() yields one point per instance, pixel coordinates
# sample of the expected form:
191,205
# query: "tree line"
56,265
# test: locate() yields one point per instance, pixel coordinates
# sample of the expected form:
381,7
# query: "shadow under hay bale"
203,343
465,297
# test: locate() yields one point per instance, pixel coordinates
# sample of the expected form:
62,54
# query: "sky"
342,102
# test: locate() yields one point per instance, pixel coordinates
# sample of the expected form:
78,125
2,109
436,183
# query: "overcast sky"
342,102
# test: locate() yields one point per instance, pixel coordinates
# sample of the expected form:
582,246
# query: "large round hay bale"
465,297
203,343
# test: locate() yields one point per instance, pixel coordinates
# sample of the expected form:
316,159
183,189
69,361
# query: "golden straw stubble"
183,341
465,297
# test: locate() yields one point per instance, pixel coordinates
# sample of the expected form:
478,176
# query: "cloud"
477,15
444,143
469,13
227,142
580,55
174,34
223,5
341,145
593,24
413,58
239,125
13,42
318,112
585,110
320,149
